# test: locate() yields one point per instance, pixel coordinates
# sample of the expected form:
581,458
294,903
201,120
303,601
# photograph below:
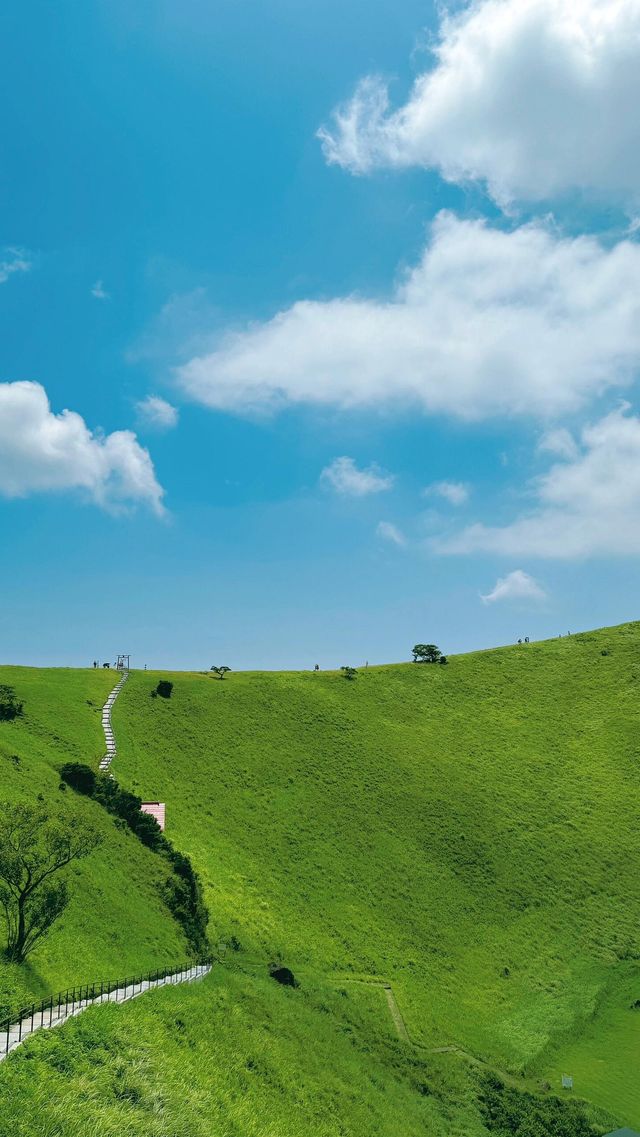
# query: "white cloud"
586,506
343,476
41,451
387,531
489,322
98,291
13,260
157,413
560,442
517,585
456,493
532,97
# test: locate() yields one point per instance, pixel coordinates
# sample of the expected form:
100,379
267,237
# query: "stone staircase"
106,723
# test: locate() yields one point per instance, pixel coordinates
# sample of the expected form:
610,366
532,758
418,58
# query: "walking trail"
58,1012
51,1016
106,723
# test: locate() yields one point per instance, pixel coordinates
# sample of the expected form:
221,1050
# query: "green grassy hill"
466,833
116,923
233,1056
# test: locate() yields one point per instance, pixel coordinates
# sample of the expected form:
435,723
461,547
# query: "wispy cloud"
343,476
157,413
456,493
98,291
387,531
560,442
586,506
12,261
517,585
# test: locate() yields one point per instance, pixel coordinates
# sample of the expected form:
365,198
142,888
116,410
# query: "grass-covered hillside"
116,922
234,1056
468,833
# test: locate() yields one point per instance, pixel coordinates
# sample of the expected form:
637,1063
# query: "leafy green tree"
349,672
34,847
426,653
164,688
220,671
10,708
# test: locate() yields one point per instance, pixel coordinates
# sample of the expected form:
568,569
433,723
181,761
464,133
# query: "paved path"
55,1016
106,723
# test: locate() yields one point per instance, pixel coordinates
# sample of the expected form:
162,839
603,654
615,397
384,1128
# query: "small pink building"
156,809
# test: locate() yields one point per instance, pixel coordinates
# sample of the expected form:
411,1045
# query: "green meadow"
234,1056
116,923
466,833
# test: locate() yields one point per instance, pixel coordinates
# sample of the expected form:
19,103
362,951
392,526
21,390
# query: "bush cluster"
182,891
509,1112
10,708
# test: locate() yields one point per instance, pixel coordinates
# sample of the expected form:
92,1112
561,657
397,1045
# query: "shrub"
164,688
509,1111
184,899
10,708
79,776
148,831
116,800
182,891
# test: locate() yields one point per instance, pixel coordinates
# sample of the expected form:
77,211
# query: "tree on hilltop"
34,847
426,653
219,671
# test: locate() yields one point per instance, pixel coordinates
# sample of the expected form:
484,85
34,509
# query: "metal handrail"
65,1003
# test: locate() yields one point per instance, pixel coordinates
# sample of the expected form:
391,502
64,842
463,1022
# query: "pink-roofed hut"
156,809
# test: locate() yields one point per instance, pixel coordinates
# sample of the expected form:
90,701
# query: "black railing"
58,1007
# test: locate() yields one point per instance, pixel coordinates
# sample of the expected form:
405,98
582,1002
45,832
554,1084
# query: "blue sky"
320,329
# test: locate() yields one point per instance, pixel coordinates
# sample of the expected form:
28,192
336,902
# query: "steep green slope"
116,922
467,832
237,1056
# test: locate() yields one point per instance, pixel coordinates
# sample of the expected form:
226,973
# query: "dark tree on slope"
10,708
34,848
219,671
426,653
